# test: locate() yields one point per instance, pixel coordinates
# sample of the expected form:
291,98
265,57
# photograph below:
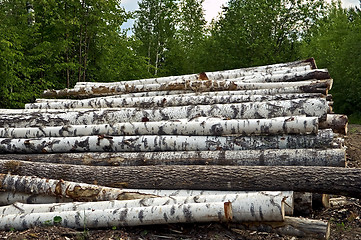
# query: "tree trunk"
291,226
195,86
340,181
65,189
267,157
257,206
337,122
178,213
197,127
309,107
150,143
165,101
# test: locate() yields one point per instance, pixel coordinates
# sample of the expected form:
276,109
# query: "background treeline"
56,43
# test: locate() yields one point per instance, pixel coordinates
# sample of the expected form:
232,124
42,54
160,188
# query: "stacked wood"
256,129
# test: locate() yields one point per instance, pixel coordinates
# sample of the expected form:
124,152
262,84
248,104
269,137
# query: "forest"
48,44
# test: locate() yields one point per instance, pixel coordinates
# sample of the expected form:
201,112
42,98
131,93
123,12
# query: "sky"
211,8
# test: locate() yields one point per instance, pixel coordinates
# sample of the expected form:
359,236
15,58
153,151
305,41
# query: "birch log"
65,189
257,206
151,143
165,101
331,180
267,157
277,68
337,122
291,226
309,107
195,86
179,213
8,197
201,127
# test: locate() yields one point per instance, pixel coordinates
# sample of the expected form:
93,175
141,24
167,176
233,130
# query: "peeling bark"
196,86
255,206
196,127
267,157
309,107
8,197
331,180
323,139
64,189
291,226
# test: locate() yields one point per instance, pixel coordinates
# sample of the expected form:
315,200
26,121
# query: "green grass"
355,118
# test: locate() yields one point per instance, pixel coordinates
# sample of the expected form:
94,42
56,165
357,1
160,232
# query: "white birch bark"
196,86
284,67
323,139
338,123
267,157
291,226
206,127
10,197
65,189
164,101
179,213
309,107
253,206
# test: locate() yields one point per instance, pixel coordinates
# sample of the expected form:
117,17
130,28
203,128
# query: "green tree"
258,32
335,43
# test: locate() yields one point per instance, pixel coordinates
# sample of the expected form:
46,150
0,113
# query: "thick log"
165,101
197,127
340,181
309,107
195,86
64,189
323,139
291,226
256,206
8,197
338,123
267,157
178,213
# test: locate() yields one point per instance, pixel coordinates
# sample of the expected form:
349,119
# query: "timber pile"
124,147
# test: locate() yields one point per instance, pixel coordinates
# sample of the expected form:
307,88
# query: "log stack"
268,128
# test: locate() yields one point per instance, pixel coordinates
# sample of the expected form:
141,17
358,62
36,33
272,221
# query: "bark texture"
10,197
267,157
100,143
332,180
309,107
197,127
337,122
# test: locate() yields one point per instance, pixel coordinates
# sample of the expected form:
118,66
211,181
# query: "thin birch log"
267,157
196,86
275,69
284,75
338,123
265,92
309,107
178,213
7,198
165,101
323,139
257,206
65,189
291,226
331,180
206,127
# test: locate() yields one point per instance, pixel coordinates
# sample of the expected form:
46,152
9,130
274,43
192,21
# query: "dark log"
338,123
268,157
341,181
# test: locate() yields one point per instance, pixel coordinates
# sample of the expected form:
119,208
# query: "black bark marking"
141,216
187,213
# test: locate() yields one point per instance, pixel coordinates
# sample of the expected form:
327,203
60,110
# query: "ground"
345,219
